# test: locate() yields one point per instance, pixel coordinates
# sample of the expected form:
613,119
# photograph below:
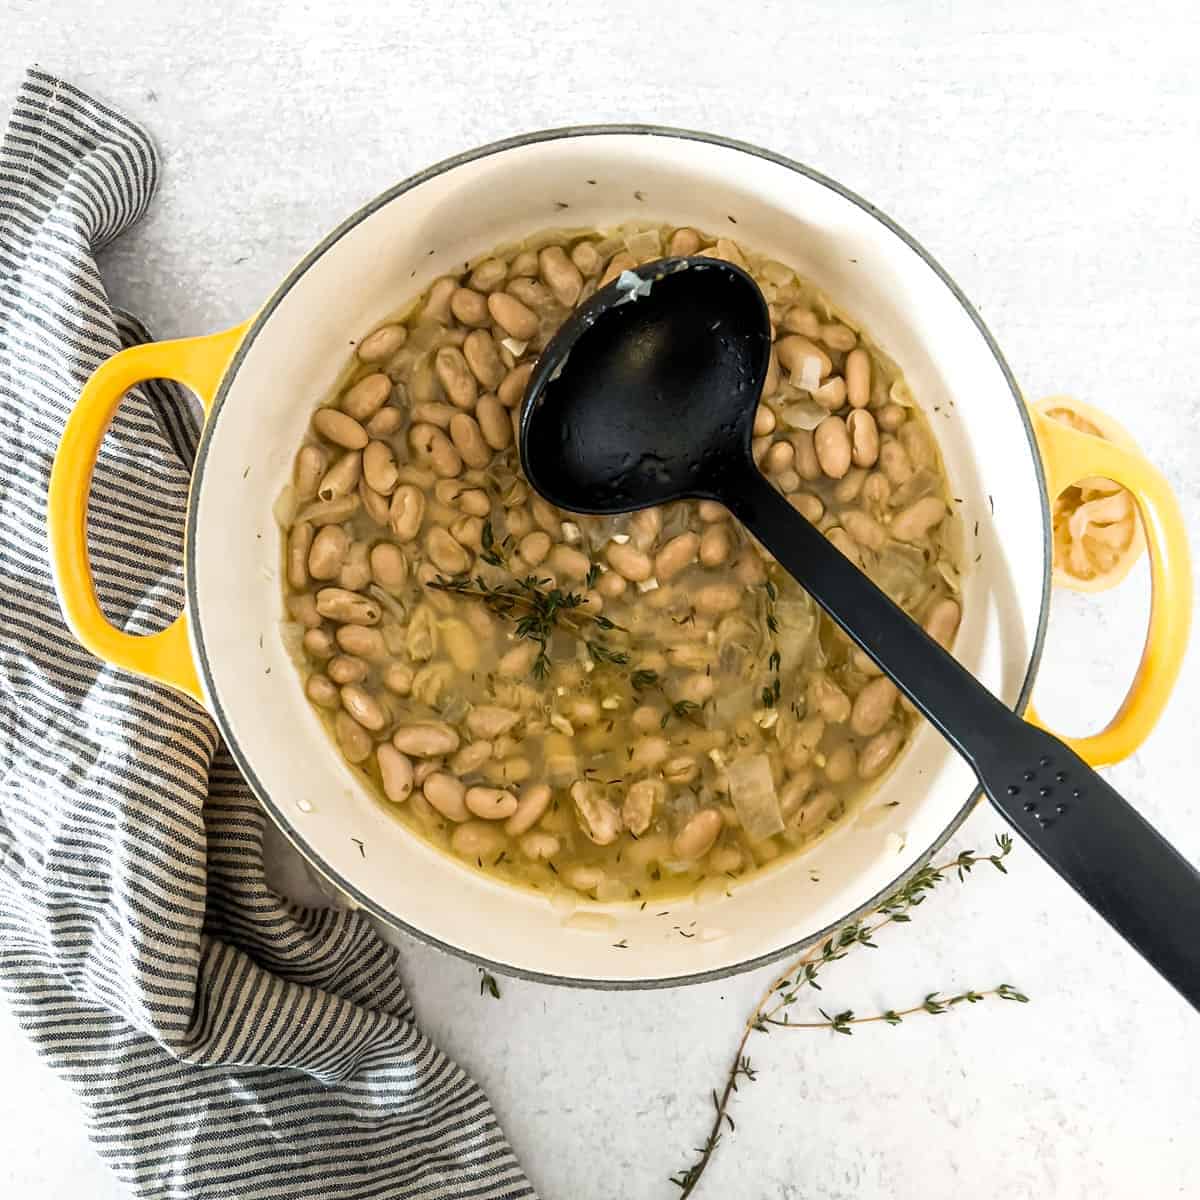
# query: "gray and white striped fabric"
221,1041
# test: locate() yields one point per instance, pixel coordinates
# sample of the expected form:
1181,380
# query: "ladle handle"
1113,858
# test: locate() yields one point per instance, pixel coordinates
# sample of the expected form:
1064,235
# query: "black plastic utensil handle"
1078,823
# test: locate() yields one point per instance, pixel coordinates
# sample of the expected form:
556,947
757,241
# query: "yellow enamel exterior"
1069,456
197,363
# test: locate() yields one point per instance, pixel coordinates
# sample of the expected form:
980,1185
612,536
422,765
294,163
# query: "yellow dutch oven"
260,382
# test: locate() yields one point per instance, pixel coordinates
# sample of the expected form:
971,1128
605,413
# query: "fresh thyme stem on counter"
785,989
535,609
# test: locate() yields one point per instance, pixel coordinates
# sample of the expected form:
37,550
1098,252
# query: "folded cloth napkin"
221,1041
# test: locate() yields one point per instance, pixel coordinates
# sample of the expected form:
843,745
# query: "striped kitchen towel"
221,1041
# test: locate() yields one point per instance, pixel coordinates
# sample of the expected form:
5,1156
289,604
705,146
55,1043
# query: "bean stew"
621,707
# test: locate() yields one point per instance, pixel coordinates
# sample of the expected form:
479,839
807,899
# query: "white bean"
539,846
426,739
715,598
469,441
309,467
382,344
695,839
456,377
389,567
379,468
629,562
915,521
678,553
489,275
342,430
491,720
942,622
561,275
469,307
437,305
873,706
879,752
864,438
299,543
478,840
363,707
445,553
598,819
342,478
858,378
715,545
531,807
353,740
433,446
366,397
511,392
831,441
362,641
338,604
407,511
345,668
396,772
512,316
491,804
322,691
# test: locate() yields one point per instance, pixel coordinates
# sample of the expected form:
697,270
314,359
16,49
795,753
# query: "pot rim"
259,321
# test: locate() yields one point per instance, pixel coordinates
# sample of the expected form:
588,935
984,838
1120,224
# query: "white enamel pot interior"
386,254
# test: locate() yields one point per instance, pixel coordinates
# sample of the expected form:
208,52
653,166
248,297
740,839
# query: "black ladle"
648,394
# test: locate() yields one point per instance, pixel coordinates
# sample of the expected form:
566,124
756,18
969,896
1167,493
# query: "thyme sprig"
935,1004
771,692
787,987
535,608
684,710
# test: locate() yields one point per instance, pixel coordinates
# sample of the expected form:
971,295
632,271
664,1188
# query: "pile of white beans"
591,778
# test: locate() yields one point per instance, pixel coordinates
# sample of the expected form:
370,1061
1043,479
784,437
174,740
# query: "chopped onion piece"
767,718
899,394
620,538
607,247
562,724
950,573
513,346
633,285
648,585
644,245
804,414
810,373
829,392
611,702
776,273
571,532
733,702
752,791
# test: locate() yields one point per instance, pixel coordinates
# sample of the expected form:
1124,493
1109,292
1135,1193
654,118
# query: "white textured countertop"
1050,163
